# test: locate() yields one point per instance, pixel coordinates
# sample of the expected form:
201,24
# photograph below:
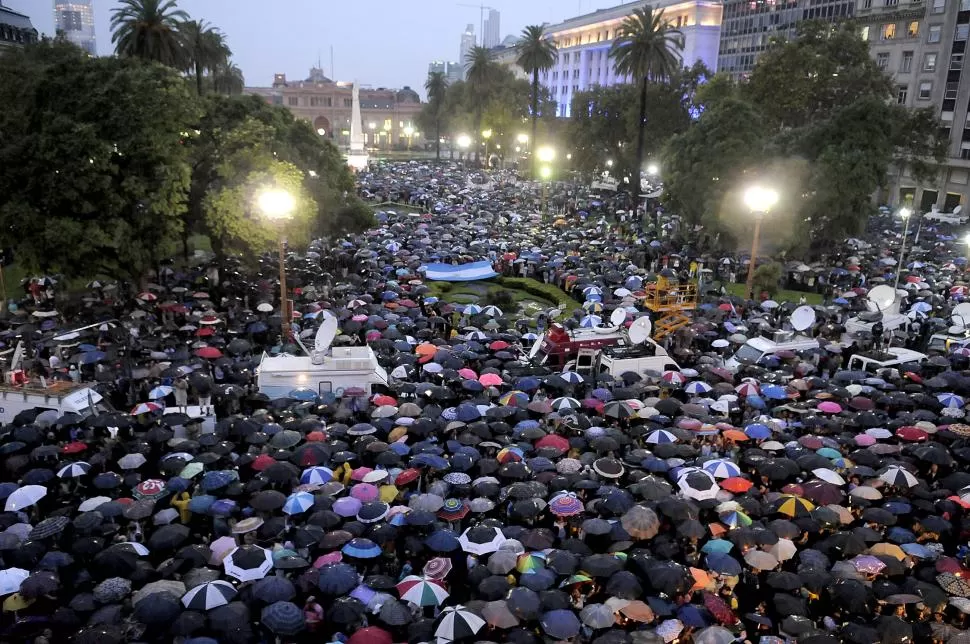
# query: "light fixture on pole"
545,172
409,132
486,135
463,142
905,213
278,205
759,200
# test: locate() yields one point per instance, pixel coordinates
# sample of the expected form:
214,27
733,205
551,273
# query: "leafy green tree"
95,169
227,79
648,49
149,29
767,279
537,54
205,49
480,75
437,88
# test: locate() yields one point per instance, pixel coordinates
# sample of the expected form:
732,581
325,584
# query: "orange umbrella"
425,352
735,435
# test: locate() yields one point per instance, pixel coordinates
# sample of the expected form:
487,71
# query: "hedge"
546,292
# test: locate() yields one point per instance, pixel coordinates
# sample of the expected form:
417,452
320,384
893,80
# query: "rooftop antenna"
332,73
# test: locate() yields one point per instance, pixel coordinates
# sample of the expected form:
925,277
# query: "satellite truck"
325,369
883,304
957,334
756,349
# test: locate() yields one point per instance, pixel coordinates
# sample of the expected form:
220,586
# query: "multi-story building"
922,45
468,42
584,44
387,115
491,30
75,20
452,70
16,29
747,26
507,55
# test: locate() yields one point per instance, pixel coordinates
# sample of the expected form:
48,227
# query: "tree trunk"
437,139
640,133
198,77
535,115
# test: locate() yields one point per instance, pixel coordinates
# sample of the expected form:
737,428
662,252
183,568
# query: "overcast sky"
382,43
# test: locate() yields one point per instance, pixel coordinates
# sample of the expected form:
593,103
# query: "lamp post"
372,126
760,200
463,142
409,132
486,135
546,155
387,133
905,213
278,205
545,172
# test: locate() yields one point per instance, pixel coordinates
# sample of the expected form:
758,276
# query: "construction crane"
481,17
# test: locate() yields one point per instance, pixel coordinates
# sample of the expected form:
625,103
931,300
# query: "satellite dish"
957,209
802,318
961,314
618,317
326,333
640,330
882,297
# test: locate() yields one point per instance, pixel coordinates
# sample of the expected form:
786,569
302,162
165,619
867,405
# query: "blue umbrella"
222,508
758,431
774,392
433,461
692,616
723,563
443,541
562,624
217,479
283,618
274,589
201,504
298,502
722,546
337,579
361,548
90,357
257,327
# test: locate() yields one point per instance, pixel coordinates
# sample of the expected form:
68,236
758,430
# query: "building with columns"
389,116
16,30
584,43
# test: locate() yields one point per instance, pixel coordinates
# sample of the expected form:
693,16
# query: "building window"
962,32
867,4
950,93
892,3
929,62
934,33
882,60
901,92
925,89
964,5
292,101
865,32
348,102
939,6
913,30
956,62
907,64
888,31
277,100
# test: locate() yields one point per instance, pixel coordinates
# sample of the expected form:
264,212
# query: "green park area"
517,297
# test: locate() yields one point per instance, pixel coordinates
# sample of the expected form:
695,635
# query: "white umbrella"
209,595
74,470
10,580
248,563
479,543
93,503
25,497
131,461
829,476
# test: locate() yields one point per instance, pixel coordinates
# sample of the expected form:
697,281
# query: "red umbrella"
209,352
736,484
719,609
912,434
262,462
554,441
371,635
205,332
73,448
407,476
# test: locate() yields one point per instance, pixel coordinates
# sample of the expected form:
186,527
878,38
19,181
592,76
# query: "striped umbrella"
794,506
283,618
697,387
361,548
209,595
298,502
722,469
74,470
572,377
673,377
566,505
660,437
565,403
514,398
457,622
316,475
422,591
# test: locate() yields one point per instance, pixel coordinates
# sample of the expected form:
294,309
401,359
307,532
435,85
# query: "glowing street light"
905,213
278,205
609,163
522,138
486,135
546,154
652,169
409,132
545,172
759,200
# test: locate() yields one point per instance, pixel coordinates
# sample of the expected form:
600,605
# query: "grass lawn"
396,207
781,296
532,296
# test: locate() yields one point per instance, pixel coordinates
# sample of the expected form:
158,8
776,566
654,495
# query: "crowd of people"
477,497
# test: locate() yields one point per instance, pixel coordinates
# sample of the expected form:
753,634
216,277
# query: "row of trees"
159,31
112,163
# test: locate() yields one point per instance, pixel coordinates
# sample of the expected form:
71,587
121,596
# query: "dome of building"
408,95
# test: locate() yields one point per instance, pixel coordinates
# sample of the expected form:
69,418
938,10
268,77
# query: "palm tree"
537,53
479,72
648,49
228,79
149,29
436,86
205,48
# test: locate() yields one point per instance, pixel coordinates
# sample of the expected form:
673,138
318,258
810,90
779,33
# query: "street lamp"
760,200
905,213
387,133
277,205
372,126
486,135
409,132
546,154
652,169
545,172
609,163
522,138
463,141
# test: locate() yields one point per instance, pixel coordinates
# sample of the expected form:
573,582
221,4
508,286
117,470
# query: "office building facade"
75,20
492,29
16,30
583,44
747,27
922,45
451,69
468,42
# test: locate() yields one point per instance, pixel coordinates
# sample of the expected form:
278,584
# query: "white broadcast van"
755,349
325,369
883,303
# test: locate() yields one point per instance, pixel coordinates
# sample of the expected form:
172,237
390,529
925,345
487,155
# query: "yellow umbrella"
16,602
397,433
794,506
889,550
388,493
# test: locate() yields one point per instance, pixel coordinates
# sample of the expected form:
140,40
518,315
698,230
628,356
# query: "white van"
757,348
892,358
346,367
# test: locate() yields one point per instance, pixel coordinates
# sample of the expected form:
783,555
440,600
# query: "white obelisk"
357,158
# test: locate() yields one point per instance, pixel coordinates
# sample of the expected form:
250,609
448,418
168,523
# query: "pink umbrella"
747,389
360,473
365,492
467,374
829,407
359,318
373,336
490,380
329,558
864,440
